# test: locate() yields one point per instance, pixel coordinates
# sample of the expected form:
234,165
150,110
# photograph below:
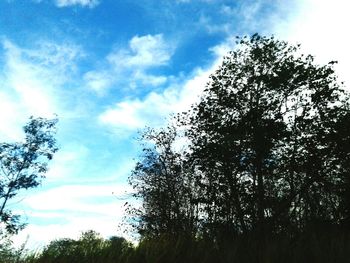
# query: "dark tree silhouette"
90,247
161,181
268,149
23,165
263,137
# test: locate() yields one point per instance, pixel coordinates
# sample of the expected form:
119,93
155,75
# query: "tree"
89,248
163,186
268,150
263,137
23,165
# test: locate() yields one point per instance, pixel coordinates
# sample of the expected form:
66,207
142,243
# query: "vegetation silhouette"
89,248
323,246
257,171
23,165
266,154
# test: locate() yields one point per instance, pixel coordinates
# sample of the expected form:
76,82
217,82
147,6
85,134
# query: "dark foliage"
267,152
89,248
167,197
314,245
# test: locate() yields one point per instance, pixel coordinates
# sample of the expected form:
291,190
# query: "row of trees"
89,248
266,151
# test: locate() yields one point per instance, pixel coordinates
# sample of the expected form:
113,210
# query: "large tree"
23,165
268,149
265,137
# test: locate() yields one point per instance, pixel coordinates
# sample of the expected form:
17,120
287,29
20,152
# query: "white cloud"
60,56
125,114
148,79
79,198
24,78
228,10
83,3
88,204
130,65
320,36
9,118
31,83
75,208
155,109
243,16
321,27
143,51
98,81
212,27
135,114
75,155
36,235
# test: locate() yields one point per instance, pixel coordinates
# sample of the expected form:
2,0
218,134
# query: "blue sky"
108,68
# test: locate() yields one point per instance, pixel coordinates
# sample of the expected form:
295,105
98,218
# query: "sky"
108,68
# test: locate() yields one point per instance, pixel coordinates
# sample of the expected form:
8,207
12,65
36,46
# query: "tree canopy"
268,149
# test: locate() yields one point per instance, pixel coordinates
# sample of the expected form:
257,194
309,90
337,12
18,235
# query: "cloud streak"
98,207
130,66
83,3
320,27
155,108
143,52
32,81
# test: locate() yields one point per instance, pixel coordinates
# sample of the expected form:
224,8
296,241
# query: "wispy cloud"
95,199
130,65
134,114
224,17
37,236
32,80
99,81
321,28
83,3
144,51
75,155
156,108
211,26
85,206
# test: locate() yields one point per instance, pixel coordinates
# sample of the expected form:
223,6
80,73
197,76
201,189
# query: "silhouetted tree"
23,165
268,150
163,186
89,248
262,137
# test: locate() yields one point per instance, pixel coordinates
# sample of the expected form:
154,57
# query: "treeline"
264,154
257,171
89,247
322,247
